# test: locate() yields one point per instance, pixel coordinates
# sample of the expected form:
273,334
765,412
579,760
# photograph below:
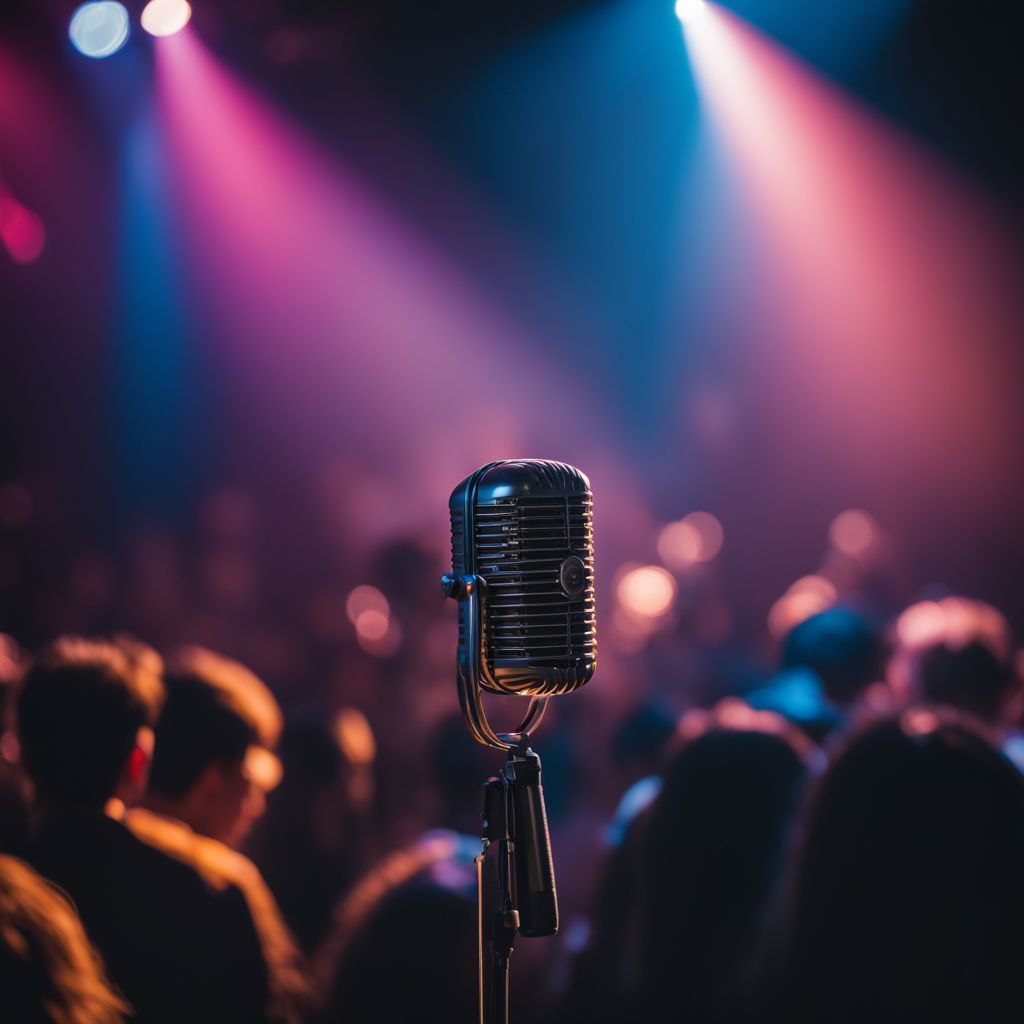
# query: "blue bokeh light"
99,29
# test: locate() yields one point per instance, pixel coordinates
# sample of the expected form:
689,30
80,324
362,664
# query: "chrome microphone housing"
522,538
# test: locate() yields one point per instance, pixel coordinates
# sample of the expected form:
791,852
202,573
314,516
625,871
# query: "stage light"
695,538
165,17
647,592
21,231
365,598
690,10
853,532
99,29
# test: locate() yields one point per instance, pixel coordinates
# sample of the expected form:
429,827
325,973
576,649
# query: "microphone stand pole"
498,827
514,818
514,814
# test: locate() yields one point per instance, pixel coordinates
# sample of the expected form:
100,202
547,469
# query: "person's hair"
79,711
710,855
907,894
842,647
959,652
435,920
215,710
49,972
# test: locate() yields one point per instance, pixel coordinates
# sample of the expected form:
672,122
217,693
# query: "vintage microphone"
523,574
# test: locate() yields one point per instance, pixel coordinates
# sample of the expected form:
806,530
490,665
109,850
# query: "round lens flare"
99,29
165,17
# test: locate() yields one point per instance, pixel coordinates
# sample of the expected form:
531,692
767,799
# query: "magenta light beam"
885,294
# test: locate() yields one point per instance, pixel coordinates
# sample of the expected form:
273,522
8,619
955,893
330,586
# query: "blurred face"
233,801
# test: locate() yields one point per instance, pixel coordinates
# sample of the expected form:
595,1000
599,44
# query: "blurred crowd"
839,840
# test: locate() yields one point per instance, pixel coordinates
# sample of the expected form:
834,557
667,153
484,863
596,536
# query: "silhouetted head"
213,762
49,971
841,647
710,856
84,715
959,652
908,895
413,958
640,740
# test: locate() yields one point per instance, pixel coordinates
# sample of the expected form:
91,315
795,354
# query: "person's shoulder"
220,867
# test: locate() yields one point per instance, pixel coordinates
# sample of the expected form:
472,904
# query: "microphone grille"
533,545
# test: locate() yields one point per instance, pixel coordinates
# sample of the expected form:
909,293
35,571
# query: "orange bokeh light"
365,598
853,532
647,592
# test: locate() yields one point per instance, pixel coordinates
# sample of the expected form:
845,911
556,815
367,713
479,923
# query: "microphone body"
523,529
533,875
523,575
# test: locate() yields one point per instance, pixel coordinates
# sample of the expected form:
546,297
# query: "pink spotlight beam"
337,314
889,280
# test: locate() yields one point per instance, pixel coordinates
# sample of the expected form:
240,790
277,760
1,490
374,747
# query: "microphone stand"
498,828
514,817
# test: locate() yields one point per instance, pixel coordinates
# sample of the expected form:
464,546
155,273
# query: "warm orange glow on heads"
165,17
365,599
354,736
919,721
853,532
808,596
956,622
647,592
920,623
262,768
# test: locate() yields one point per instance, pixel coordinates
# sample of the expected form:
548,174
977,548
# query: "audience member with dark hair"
412,918
214,760
680,910
49,971
959,652
177,949
212,764
907,894
827,664
311,844
842,647
710,856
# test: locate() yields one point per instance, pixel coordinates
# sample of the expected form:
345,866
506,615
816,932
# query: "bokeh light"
696,537
99,29
364,599
21,230
647,591
372,624
808,596
956,622
378,635
354,736
165,17
853,532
